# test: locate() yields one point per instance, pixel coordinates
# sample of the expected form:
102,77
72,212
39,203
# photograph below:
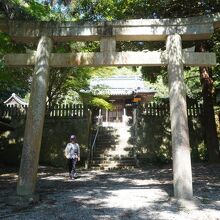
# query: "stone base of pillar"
22,201
187,205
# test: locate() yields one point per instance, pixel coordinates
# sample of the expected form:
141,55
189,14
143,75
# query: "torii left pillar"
182,170
35,120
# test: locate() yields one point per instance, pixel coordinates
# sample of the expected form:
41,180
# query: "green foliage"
99,102
12,79
54,139
96,10
193,84
66,81
69,86
85,46
161,88
66,84
93,10
18,79
9,82
110,71
34,9
28,10
70,81
153,138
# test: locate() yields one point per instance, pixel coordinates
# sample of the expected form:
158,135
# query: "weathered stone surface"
153,58
182,170
35,120
199,59
24,59
194,28
22,201
108,48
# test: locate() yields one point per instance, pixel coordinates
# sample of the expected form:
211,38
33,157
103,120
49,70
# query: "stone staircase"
112,149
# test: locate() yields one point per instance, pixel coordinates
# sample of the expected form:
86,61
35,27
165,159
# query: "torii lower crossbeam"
153,58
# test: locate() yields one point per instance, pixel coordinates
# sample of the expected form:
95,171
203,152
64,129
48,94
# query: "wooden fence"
81,111
162,109
64,111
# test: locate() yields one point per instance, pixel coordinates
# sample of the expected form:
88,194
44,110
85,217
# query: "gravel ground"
123,194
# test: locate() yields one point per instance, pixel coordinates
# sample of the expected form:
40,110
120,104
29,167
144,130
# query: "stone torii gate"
173,31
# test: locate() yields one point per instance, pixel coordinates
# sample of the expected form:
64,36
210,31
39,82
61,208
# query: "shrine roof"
16,98
120,85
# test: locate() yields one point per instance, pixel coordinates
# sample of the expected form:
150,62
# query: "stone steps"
109,159
113,165
110,152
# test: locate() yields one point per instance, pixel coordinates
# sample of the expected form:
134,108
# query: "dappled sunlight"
138,198
147,182
123,194
133,194
52,178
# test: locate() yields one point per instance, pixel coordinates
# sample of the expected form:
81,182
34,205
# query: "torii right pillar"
182,170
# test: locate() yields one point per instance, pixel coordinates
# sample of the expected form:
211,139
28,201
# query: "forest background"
203,84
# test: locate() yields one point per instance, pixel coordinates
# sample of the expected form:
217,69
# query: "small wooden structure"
124,92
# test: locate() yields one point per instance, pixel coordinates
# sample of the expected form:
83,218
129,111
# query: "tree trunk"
211,139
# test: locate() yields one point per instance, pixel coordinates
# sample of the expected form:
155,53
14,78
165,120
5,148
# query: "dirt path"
137,194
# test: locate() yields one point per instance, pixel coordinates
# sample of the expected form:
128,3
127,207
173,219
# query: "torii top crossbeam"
193,28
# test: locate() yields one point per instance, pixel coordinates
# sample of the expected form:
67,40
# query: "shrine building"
123,92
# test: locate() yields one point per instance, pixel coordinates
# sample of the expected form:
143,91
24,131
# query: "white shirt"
72,150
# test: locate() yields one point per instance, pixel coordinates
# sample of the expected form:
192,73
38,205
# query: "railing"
99,124
162,109
78,111
61,111
93,143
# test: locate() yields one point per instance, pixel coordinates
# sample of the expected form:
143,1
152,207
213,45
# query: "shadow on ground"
137,194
